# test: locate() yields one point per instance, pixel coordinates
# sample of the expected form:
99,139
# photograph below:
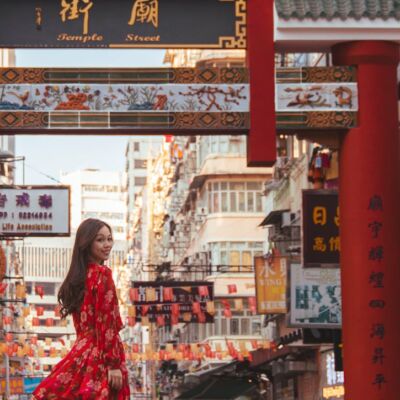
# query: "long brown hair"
72,291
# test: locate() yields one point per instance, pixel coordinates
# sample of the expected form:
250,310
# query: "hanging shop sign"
315,297
140,23
271,285
321,240
34,211
332,380
171,302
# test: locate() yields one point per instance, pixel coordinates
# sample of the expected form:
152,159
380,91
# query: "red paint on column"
261,142
370,234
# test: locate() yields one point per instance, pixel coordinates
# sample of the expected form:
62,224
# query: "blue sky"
51,154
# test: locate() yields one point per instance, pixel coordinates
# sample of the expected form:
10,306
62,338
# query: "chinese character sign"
270,277
34,211
321,241
124,24
315,299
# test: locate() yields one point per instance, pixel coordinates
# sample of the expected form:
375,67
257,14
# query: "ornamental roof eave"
338,9
304,32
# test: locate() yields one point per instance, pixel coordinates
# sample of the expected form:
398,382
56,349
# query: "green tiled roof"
343,9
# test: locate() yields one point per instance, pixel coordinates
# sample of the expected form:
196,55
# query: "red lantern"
174,319
145,310
175,309
254,344
201,318
3,287
49,322
39,311
133,294
39,291
203,291
34,340
160,320
232,289
9,337
196,307
35,321
227,313
135,347
252,305
168,294
57,311
131,321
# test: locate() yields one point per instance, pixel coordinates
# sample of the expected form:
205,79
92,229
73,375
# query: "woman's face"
101,246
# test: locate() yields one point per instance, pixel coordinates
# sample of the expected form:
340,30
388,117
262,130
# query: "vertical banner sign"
321,241
271,285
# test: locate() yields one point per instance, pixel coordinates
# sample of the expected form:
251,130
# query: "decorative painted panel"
316,97
151,98
167,100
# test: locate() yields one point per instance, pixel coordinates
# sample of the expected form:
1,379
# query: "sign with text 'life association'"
34,211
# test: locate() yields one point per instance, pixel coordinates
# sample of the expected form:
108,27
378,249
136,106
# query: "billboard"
271,277
321,241
315,297
34,211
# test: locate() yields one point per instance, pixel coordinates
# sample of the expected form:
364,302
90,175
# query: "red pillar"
370,226
261,140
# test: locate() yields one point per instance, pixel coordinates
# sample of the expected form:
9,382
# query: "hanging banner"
123,24
321,241
34,211
16,386
170,302
271,285
315,297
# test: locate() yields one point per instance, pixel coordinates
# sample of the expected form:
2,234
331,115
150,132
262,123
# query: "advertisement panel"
321,241
315,297
271,280
34,211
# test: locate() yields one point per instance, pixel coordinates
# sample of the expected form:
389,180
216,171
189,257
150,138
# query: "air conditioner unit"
286,218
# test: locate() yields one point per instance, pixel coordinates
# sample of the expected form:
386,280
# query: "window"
238,255
136,146
140,164
234,197
241,323
140,180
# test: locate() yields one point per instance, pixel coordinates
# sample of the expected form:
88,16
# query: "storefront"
332,382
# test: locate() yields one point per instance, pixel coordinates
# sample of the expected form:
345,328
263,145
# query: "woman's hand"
115,378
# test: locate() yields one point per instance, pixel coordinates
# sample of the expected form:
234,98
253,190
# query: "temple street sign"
141,23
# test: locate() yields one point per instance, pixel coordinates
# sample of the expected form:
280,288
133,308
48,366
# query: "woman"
95,367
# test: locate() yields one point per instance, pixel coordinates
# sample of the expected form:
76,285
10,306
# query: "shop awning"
225,388
273,218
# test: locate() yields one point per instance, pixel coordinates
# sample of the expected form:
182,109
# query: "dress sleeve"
108,319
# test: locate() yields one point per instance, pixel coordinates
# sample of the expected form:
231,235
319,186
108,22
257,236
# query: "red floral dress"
83,373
